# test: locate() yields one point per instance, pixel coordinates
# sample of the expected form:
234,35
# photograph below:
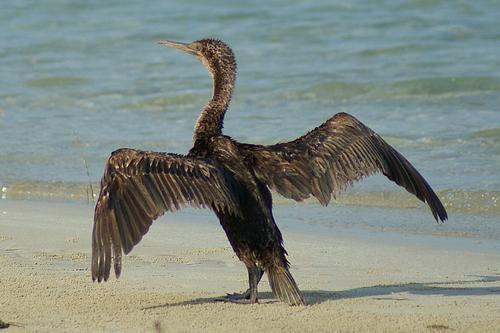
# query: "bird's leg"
254,276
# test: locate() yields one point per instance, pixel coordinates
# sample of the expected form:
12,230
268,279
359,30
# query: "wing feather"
139,186
332,157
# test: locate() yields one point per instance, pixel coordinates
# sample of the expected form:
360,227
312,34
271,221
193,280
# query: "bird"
235,181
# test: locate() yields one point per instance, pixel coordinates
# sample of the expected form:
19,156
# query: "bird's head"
213,53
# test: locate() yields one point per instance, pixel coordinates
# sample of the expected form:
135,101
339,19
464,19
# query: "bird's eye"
197,46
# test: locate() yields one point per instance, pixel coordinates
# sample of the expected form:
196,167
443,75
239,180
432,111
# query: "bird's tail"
283,285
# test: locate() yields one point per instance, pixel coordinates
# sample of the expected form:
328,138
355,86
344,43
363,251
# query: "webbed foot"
238,296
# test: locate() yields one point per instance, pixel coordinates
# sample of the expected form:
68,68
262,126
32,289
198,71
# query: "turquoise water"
80,79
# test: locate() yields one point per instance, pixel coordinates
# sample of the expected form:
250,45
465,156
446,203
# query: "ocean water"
80,79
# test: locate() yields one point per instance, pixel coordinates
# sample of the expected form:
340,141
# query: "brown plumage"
233,179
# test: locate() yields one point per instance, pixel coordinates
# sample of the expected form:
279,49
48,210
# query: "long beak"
181,46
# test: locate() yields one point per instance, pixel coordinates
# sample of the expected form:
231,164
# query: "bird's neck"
211,120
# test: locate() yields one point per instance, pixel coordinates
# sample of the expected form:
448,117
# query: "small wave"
56,81
489,139
165,103
465,202
58,191
491,133
441,85
332,90
400,49
434,87
458,201
422,142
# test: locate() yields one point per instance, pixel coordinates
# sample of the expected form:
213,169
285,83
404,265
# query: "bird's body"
234,180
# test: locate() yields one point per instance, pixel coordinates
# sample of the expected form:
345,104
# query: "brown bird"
234,180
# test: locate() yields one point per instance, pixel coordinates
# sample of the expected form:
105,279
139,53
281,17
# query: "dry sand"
176,276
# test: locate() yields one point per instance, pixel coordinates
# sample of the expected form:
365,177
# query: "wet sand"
174,280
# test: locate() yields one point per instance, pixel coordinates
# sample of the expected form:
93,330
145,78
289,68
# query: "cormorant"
234,180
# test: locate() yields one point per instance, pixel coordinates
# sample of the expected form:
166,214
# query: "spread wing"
139,186
330,158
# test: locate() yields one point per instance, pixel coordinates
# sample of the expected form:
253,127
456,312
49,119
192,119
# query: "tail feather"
283,286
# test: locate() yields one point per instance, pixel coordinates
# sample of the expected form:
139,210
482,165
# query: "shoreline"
180,270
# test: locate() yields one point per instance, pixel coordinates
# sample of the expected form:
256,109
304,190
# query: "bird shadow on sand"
397,291
263,298
381,292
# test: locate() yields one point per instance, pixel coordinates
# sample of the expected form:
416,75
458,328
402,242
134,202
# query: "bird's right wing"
330,158
139,186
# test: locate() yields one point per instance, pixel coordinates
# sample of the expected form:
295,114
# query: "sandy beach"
81,79
174,280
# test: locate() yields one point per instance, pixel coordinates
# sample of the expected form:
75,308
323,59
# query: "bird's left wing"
139,186
330,158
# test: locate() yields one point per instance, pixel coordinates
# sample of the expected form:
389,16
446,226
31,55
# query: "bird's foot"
240,298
